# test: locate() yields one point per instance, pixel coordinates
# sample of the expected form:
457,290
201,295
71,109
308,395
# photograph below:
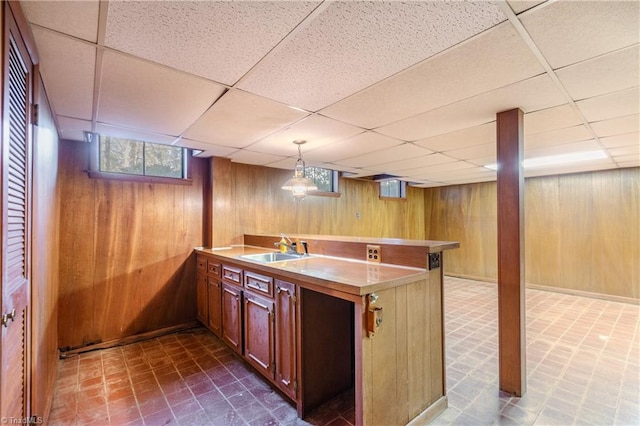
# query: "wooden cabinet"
258,333
285,333
232,316
215,306
201,298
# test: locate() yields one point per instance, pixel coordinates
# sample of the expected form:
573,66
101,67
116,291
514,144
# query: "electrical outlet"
374,254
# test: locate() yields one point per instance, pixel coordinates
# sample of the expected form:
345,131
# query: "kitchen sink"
273,257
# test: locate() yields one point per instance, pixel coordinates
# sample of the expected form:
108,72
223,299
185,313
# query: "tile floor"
582,367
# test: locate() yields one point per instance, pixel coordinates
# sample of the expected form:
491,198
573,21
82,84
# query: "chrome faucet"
291,247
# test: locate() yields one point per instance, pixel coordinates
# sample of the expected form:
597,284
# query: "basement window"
393,188
129,159
325,179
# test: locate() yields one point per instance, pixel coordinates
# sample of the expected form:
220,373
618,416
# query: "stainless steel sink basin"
272,257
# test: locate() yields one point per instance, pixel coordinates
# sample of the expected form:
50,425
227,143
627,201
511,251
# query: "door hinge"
35,114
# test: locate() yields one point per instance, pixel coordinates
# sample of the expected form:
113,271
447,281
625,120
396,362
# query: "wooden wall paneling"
631,240
45,256
436,337
420,351
223,197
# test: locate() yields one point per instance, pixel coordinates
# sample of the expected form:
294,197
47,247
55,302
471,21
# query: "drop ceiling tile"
238,119
498,58
625,164
617,126
484,161
627,159
567,32
530,95
423,162
141,95
555,137
549,119
621,140
610,106
471,173
218,40
211,150
121,132
476,151
256,158
72,129
445,169
586,166
429,185
351,147
76,18
608,73
478,135
466,181
384,156
360,43
567,148
624,150
70,88
317,130
519,6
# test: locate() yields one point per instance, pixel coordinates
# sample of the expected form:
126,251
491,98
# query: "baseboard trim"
130,339
433,411
581,293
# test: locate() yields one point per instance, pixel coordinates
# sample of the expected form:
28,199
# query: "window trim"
94,171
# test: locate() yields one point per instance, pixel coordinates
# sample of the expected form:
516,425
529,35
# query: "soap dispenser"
283,245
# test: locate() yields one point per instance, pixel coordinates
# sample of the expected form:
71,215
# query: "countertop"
327,274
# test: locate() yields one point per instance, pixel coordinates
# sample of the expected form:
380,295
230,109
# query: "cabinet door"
258,333
286,345
232,316
201,297
215,306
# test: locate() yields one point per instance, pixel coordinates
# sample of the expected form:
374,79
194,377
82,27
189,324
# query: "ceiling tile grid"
218,40
144,96
360,43
76,18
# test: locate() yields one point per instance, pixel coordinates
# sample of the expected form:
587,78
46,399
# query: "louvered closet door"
16,183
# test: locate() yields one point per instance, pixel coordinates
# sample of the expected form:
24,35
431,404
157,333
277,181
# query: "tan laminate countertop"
324,273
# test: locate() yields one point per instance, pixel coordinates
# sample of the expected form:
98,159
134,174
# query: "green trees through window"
133,157
325,179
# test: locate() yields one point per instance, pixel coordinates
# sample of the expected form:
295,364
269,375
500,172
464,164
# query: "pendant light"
299,185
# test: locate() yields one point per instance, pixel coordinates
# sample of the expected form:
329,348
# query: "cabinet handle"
11,316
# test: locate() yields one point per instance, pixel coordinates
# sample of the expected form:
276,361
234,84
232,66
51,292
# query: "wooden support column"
511,290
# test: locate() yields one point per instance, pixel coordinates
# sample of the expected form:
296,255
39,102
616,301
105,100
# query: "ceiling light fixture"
299,185
552,160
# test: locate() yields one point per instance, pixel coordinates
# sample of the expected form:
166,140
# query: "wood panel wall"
258,205
125,252
582,231
45,257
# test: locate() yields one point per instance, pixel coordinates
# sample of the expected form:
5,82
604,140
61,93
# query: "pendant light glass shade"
299,185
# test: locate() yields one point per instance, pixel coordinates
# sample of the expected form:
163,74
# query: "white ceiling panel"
625,150
626,160
568,32
255,158
142,95
476,151
219,40
76,18
444,169
567,148
569,134
529,95
586,166
351,147
608,73
617,126
477,135
519,6
212,150
416,163
73,129
549,119
605,107
498,57
360,43
238,119
387,155
316,130
120,132
69,88
621,140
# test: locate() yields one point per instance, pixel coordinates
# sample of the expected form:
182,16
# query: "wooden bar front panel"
286,340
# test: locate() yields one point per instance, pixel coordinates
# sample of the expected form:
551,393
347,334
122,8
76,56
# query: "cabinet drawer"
258,283
213,268
201,263
232,275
